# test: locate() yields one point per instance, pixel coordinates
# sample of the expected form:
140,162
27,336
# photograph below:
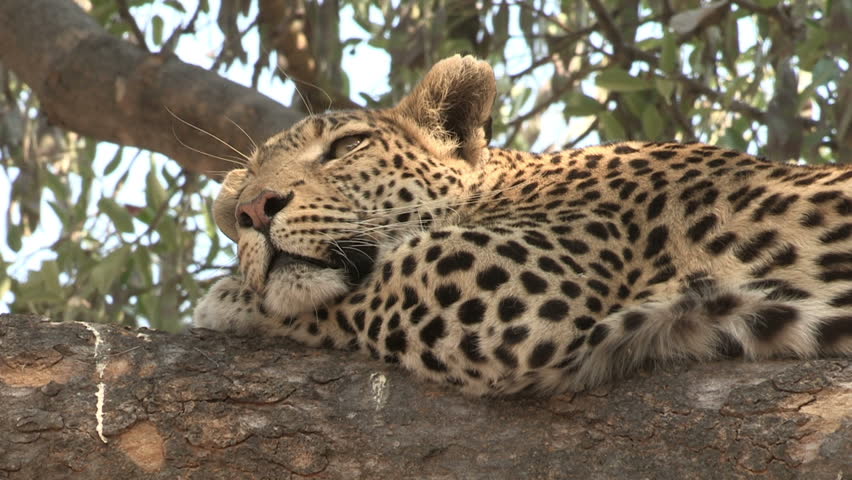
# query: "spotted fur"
401,234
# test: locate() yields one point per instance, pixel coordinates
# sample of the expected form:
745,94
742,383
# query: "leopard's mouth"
282,260
356,258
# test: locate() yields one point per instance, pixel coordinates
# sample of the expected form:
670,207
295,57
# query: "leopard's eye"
343,145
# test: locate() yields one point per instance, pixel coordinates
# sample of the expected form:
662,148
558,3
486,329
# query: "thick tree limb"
205,405
95,84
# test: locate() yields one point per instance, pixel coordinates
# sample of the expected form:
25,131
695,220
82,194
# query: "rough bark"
93,83
204,405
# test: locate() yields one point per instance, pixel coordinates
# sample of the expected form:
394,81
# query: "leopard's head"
318,204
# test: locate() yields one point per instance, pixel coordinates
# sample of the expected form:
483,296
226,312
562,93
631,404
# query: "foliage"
760,75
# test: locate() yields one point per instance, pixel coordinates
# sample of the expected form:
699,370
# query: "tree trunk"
100,401
95,84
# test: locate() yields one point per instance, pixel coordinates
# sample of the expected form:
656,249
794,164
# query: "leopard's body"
399,233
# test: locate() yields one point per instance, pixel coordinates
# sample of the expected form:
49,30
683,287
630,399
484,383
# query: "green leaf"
60,212
41,285
105,273
56,184
79,211
344,84
812,49
142,264
501,26
652,122
49,276
763,25
83,159
825,71
155,194
168,234
119,215
175,5
157,29
649,44
665,88
209,222
578,104
146,215
611,127
520,95
733,136
13,236
380,43
69,255
115,162
171,180
668,55
635,102
618,80
103,11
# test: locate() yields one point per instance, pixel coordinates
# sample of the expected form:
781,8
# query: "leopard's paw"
228,306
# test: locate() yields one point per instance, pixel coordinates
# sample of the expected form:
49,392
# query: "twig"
607,26
171,42
124,13
591,128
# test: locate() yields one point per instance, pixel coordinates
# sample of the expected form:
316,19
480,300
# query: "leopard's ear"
453,103
225,206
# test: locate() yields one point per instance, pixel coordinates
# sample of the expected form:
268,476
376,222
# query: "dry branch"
205,405
93,83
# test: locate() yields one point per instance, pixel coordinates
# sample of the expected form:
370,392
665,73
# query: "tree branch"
208,405
93,83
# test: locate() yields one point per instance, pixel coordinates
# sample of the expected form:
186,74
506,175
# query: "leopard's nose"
258,212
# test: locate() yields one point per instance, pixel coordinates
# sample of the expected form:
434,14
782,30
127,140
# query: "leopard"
400,233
